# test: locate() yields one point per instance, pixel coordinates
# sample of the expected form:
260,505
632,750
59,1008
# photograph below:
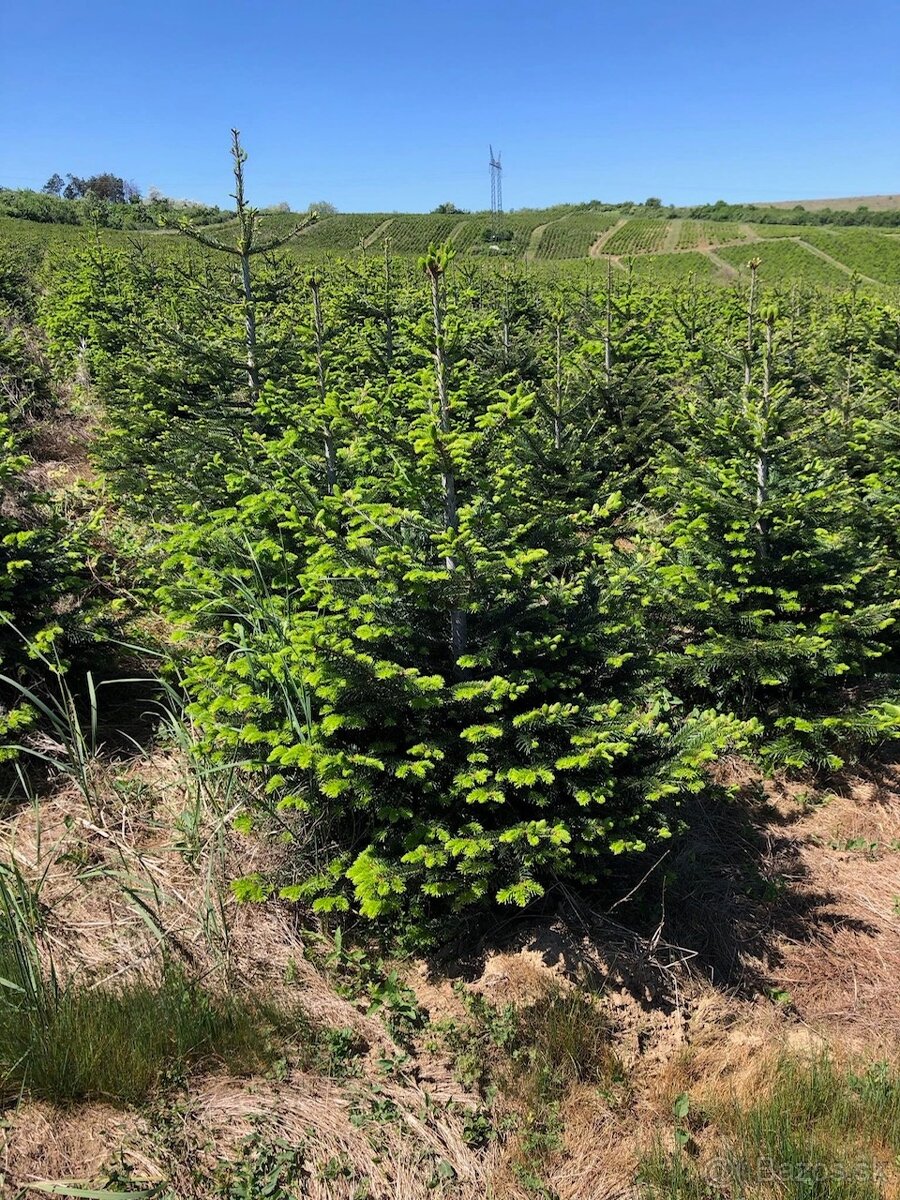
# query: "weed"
337,1052
337,1167
478,1128
270,1169
374,1107
780,997
357,975
523,1062
398,1002
393,1064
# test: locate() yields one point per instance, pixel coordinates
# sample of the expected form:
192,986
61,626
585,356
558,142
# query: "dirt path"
376,233
834,262
597,249
750,235
671,239
725,268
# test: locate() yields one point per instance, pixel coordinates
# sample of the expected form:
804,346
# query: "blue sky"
386,106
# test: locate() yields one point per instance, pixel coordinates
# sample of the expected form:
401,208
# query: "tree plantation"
463,592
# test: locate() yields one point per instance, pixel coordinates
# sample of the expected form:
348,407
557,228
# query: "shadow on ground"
723,903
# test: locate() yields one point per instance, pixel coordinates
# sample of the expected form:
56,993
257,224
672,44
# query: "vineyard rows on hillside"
784,261
572,237
550,238
640,235
707,233
873,254
673,268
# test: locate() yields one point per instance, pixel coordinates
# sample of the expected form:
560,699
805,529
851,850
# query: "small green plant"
358,975
523,1062
393,1064
351,969
478,1128
397,1001
337,1052
680,1110
338,1166
780,996
374,1108
270,1168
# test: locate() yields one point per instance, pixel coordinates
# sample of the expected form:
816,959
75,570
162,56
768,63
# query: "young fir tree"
477,717
53,612
182,351
781,596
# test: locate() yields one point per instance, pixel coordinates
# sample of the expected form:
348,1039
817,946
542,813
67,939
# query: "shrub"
52,611
442,659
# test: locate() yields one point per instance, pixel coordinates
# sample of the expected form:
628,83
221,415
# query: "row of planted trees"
481,568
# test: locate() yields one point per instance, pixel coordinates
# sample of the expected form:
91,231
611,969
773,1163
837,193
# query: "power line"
496,194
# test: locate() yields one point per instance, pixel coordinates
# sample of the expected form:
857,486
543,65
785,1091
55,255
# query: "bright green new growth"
463,634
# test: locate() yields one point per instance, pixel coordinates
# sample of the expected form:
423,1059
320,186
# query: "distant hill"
660,245
845,204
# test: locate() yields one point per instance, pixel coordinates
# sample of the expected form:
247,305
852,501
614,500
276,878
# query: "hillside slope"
844,204
664,247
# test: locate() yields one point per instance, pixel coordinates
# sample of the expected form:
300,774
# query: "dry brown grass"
831,940
43,1143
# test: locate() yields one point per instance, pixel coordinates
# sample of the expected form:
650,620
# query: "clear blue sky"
391,105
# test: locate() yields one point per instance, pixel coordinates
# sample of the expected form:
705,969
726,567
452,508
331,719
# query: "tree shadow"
737,889
719,903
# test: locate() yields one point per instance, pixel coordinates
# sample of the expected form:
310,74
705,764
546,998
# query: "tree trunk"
328,436
748,348
458,623
607,333
388,306
762,459
557,411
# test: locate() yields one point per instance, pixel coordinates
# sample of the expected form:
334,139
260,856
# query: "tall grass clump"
68,1041
822,1132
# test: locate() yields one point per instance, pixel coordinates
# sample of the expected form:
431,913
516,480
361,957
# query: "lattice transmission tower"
496,193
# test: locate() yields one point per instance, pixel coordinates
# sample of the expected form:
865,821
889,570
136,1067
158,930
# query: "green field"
572,237
679,248
873,254
785,261
692,234
780,231
640,235
673,268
